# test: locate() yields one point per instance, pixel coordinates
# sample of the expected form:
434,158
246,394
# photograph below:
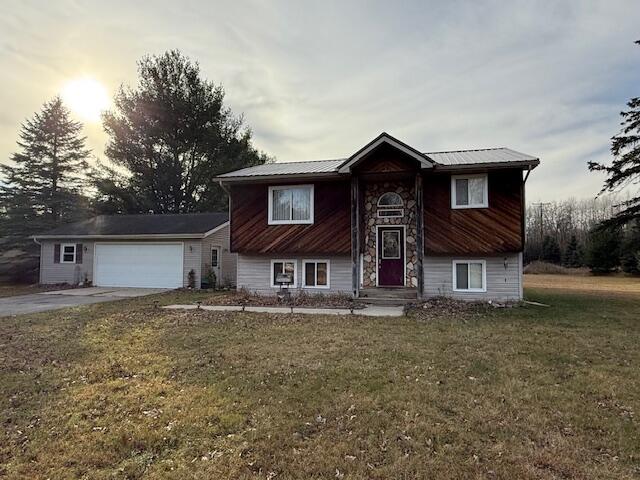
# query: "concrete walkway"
73,297
369,311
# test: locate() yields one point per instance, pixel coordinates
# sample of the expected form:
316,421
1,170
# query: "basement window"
316,274
469,276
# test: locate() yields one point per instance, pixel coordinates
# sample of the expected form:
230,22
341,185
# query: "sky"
318,80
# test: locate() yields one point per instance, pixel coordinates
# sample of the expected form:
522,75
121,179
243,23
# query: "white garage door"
138,265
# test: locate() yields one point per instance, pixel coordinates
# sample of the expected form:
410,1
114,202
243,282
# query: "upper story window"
469,191
390,205
291,204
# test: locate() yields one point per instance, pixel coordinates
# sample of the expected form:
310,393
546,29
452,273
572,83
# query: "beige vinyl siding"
503,284
71,273
228,260
191,260
254,273
51,273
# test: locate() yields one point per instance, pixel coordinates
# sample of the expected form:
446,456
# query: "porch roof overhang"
382,139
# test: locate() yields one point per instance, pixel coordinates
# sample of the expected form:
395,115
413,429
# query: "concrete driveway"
42,302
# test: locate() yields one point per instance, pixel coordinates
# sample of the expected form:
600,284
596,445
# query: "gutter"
154,236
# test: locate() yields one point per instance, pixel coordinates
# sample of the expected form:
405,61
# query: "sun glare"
86,97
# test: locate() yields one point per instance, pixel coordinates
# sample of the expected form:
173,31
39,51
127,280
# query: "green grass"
123,390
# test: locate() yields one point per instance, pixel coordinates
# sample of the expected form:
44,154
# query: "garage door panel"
139,265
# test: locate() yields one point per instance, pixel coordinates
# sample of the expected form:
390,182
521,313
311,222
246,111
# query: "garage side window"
68,253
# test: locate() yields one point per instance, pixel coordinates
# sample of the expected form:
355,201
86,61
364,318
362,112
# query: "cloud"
318,80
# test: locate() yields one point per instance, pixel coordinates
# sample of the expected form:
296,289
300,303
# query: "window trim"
218,249
304,273
469,290
75,252
485,200
273,188
295,272
397,209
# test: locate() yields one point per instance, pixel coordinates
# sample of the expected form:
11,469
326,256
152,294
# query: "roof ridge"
468,150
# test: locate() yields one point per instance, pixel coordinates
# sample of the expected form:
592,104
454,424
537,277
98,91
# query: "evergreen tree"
550,250
171,135
625,168
603,249
573,254
630,251
43,187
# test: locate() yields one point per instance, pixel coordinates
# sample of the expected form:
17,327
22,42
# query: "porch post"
419,234
355,237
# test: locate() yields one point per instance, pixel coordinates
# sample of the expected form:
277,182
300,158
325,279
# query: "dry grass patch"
605,285
127,391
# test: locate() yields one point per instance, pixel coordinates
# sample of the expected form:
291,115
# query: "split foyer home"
387,222
389,218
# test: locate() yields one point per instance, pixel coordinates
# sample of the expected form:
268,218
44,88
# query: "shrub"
191,278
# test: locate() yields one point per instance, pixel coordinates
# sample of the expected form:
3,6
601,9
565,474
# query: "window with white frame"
68,253
291,204
288,268
469,191
469,276
316,274
390,205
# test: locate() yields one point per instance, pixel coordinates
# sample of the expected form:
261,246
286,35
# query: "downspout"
35,240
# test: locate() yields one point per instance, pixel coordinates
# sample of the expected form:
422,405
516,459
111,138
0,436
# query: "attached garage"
143,265
139,251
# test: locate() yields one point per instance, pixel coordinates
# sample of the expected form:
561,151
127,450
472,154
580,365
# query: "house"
387,219
155,251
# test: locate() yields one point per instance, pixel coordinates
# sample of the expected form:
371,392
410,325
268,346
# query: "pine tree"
171,135
625,168
550,250
573,254
603,249
43,186
630,251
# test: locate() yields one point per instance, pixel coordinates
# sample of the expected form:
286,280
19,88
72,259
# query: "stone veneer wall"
372,191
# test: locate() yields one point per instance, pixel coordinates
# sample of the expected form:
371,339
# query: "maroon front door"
390,256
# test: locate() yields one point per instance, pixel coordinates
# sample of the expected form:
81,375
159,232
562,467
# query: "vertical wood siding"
228,260
497,229
329,234
502,284
254,273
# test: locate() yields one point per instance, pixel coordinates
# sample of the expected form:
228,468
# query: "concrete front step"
399,293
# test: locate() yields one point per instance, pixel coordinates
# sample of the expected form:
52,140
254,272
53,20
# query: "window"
214,256
469,191
469,276
68,253
390,244
286,267
291,204
390,205
316,274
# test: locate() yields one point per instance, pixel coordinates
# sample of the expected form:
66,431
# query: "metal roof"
149,224
480,156
287,168
453,159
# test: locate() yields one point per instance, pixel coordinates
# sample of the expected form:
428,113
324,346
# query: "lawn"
124,390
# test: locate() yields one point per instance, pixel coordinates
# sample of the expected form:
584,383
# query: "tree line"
581,233
168,136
